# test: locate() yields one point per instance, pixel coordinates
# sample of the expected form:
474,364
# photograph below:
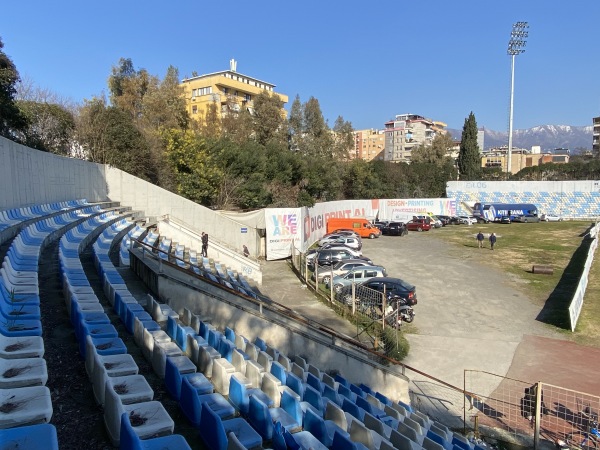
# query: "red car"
418,225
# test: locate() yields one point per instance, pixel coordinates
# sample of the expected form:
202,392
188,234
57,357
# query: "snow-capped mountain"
549,137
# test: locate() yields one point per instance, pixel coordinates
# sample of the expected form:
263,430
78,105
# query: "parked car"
396,229
468,220
446,220
551,217
357,275
339,268
344,232
505,219
455,220
327,257
348,241
328,238
528,218
418,225
393,287
382,226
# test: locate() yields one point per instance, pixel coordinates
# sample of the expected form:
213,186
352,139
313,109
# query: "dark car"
505,219
393,288
382,226
395,229
446,220
328,257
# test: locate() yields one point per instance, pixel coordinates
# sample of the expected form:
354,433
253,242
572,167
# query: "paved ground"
469,316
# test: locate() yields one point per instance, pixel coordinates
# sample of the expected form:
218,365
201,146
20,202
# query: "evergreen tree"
469,157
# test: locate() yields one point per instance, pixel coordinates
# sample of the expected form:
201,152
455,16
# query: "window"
194,109
247,97
194,93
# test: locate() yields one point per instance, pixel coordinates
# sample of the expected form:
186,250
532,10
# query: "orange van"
362,226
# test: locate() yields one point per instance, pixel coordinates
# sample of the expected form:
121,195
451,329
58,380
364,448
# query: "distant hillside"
549,137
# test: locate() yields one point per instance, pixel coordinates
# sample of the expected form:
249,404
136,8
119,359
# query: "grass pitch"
520,246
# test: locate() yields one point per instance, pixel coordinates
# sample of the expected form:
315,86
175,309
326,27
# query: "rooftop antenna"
233,65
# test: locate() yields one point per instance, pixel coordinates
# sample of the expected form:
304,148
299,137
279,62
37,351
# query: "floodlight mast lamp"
516,46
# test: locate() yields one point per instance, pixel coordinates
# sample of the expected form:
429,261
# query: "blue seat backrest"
340,379
351,408
290,404
313,397
331,394
314,382
366,389
172,327
260,418
295,384
279,372
212,431
406,406
383,399
345,392
357,390
189,402
229,334
316,426
260,344
238,395
341,442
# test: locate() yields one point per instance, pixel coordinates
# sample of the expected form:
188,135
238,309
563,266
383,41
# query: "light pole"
516,46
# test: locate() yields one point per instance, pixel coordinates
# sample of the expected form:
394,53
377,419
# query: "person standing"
492,240
204,244
480,239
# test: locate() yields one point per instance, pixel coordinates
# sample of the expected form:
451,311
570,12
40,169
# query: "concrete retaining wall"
30,177
156,202
249,268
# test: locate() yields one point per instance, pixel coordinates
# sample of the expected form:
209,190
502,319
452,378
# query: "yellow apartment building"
225,88
368,145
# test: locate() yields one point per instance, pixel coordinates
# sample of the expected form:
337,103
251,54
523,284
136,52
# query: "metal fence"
367,308
529,413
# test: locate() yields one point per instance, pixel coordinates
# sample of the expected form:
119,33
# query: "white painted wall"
156,202
30,177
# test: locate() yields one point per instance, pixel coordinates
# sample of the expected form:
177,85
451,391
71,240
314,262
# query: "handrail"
265,302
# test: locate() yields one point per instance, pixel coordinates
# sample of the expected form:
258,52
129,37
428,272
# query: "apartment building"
596,138
406,132
368,145
521,158
226,89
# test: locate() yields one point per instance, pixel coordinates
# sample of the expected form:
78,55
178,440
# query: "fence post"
353,300
383,308
538,415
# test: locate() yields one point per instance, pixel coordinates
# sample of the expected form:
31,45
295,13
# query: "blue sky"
364,61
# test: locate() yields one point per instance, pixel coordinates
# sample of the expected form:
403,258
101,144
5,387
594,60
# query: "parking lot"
469,315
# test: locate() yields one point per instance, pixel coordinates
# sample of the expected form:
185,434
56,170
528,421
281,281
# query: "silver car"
357,275
339,268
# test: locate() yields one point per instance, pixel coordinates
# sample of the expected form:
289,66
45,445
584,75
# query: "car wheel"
371,236
337,288
326,279
419,229
347,299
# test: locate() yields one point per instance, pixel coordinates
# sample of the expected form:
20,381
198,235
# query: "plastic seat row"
117,385
16,216
25,401
132,235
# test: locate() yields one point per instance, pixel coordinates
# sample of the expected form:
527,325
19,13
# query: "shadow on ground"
556,309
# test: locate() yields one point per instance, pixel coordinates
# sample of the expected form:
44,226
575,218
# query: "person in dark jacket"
204,244
480,239
492,240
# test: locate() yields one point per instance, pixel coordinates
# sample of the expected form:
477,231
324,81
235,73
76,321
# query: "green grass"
520,246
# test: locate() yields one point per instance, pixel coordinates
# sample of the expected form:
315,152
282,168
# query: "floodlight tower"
516,46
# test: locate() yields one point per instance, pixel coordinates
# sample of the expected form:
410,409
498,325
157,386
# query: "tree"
11,119
50,127
436,153
128,87
343,139
296,124
197,175
268,122
469,157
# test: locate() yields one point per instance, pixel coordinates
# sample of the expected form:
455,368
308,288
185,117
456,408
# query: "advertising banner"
402,210
283,229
